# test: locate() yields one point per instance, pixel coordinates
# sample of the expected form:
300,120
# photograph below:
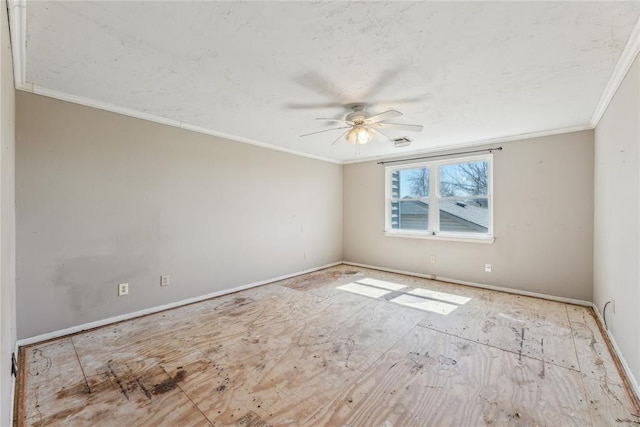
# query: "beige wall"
543,222
104,199
7,218
617,217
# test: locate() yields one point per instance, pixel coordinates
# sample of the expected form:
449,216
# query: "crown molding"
629,54
38,90
18,27
18,31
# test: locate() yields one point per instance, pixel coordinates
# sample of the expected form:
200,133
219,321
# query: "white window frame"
434,200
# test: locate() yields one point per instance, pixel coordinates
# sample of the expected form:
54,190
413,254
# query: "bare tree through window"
419,182
464,179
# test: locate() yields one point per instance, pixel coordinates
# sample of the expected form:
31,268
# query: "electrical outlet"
432,259
123,289
487,268
164,280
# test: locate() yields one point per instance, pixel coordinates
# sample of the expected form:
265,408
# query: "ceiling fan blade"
321,85
347,106
340,137
325,130
400,126
390,114
409,100
383,80
381,133
350,123
313,106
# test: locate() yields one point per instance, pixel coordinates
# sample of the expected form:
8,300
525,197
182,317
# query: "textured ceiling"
263,71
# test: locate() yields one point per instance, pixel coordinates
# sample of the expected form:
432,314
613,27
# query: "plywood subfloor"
343,346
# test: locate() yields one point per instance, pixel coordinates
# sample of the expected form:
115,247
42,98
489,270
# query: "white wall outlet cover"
487,268
432,258
164,280
123,289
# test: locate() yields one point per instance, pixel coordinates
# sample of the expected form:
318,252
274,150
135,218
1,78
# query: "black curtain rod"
489,150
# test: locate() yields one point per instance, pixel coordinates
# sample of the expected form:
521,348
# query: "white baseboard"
477,285
625,366
75,329
128,316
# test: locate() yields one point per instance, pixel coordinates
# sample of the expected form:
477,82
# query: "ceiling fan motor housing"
358,116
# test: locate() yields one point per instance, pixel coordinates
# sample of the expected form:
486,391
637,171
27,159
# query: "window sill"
449,237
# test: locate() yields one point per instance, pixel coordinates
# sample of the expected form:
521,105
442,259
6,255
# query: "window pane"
410,215
410,183
464,179
464,216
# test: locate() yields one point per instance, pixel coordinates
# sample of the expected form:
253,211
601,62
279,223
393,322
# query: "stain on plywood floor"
344,346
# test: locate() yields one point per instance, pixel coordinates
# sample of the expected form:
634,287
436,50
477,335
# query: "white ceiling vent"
401,142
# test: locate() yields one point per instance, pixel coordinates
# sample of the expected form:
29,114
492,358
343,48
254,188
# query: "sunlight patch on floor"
381,284
424,304
442,296
367,291
418,298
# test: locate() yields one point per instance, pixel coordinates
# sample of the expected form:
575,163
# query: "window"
410,199
458,190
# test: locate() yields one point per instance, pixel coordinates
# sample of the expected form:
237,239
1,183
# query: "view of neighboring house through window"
458,189
410,199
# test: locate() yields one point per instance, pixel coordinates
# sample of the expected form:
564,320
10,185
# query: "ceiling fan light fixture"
359,135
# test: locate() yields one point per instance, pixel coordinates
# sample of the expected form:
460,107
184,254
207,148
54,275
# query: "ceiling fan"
362,127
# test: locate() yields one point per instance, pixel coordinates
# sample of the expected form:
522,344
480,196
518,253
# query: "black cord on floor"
604,314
